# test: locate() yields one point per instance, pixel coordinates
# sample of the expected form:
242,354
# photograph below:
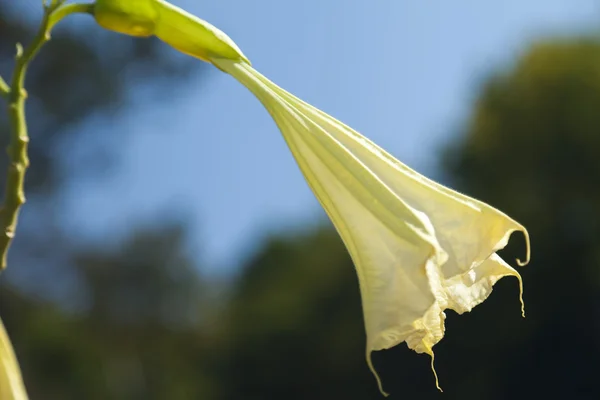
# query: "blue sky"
402,72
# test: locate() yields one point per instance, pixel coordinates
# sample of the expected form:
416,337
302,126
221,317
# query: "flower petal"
11,383
419,248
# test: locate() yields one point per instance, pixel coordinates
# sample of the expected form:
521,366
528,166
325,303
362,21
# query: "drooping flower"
419,248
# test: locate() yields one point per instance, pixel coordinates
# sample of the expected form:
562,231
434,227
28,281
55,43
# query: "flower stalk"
16,95
11,381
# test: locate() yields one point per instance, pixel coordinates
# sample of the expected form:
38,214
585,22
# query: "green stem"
14,196
63,11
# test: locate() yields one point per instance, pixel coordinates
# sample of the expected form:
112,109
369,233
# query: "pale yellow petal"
11,383
419,248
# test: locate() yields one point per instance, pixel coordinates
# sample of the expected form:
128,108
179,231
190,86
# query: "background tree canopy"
138,321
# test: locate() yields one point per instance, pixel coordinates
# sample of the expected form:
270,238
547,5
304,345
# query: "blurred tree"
138,336
117,347
75,77
531,149
294,329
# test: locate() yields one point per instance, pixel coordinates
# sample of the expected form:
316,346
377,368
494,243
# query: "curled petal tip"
520,262
437,382
372,368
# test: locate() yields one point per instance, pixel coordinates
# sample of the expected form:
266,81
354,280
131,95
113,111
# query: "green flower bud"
174,26
130,17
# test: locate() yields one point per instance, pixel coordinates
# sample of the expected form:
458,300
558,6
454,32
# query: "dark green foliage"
532,150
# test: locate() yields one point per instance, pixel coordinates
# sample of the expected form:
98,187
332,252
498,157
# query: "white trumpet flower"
419,248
